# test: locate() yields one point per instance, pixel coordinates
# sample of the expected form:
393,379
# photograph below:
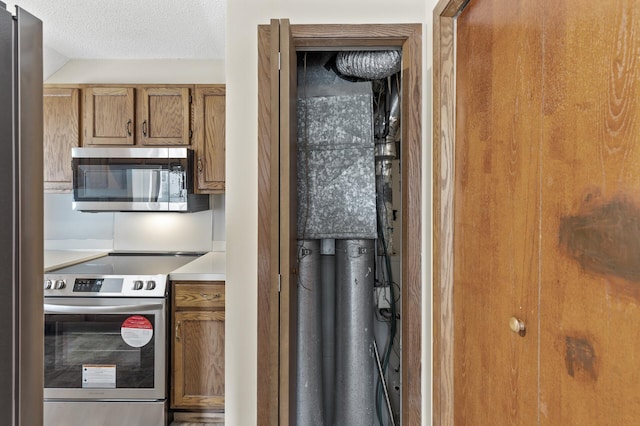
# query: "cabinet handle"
199,165
177,331
144,128
209,296
129,128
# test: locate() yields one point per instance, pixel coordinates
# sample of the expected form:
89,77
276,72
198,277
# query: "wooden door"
209,126
165,116
496,212
536,215
61,111
590,277
108,116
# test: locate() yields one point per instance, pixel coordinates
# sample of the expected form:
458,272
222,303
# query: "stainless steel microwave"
135,179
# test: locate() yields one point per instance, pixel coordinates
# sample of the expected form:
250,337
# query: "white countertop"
208,267
55,259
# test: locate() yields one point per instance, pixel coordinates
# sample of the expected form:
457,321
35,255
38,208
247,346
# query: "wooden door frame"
408,37
444,126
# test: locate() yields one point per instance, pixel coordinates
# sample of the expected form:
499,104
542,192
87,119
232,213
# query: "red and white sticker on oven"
136,331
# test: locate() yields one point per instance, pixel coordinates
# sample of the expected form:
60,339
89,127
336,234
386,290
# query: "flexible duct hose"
369,65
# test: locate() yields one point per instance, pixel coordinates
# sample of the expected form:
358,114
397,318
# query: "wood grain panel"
496,211
326,37
411,223
170,127
108,116
588,208
210,137
61,133
165,116
268,239
443,177
198,348
195,295
288,222
591,196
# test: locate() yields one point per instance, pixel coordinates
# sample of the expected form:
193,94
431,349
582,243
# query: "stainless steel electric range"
106,339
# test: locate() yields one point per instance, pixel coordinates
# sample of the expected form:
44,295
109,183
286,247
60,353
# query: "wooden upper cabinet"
61,132
137,115
164,116
109,116
209,143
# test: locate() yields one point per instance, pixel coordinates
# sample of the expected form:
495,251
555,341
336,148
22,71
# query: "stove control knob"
151,284
47,284
59,284
137,285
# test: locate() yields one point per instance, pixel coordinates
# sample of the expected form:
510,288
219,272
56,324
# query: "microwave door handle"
76,309
163,177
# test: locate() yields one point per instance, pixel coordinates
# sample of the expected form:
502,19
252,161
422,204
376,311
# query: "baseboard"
197,419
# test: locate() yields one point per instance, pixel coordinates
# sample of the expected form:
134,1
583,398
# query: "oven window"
84,351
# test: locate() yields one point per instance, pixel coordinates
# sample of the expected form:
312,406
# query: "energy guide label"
136,331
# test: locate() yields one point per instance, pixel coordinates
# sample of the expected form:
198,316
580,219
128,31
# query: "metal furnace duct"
335,162
309,396
354,392
328,271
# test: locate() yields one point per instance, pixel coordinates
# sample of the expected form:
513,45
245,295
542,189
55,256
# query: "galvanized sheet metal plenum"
336,165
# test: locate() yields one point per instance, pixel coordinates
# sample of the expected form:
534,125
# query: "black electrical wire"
392,322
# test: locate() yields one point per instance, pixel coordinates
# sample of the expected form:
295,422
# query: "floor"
195,424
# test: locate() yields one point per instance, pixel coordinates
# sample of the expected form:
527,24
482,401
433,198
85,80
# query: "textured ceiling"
126,29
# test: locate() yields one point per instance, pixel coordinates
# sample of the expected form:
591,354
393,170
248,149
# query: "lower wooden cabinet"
197,362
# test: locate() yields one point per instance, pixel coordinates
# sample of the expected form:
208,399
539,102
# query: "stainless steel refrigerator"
21,208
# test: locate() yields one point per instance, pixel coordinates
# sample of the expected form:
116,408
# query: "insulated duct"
354,393
368,65
309,397
336,190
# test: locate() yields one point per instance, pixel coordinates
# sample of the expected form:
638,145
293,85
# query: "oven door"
105,348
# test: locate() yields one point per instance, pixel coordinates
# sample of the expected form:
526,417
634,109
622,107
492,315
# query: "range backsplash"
65,228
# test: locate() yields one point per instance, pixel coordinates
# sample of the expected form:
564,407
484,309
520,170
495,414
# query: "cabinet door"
209,144
109,116
165,114
61,132
198,360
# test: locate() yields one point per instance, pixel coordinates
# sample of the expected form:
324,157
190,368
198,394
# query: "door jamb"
407,36
444,122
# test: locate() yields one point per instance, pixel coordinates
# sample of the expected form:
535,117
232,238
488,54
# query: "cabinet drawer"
193,295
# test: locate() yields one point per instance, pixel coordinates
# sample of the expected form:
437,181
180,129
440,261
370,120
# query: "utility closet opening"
349,200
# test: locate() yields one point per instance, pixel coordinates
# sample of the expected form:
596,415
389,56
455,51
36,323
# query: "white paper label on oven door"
136,331
98,376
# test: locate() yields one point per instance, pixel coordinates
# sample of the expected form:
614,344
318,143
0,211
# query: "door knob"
517,326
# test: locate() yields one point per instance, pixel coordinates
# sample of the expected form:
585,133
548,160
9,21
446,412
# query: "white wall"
160,71
241,71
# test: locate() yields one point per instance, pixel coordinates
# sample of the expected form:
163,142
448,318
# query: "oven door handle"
123,309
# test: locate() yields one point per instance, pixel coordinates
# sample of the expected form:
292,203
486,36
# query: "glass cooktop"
130,264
